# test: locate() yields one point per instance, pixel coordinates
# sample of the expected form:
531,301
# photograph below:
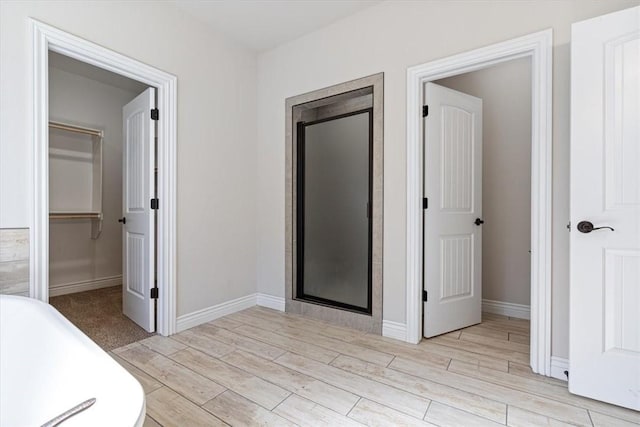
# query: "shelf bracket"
96,227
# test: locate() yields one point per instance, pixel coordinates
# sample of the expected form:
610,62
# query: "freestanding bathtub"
48,366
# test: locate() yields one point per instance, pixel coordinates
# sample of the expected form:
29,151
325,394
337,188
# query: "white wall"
505,90
73,255
391,37
216,131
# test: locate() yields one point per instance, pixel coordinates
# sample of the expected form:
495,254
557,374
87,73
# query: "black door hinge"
155,203
424,296
154,293
155,114
425,110
425,203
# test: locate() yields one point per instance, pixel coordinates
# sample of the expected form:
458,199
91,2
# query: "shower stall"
334,204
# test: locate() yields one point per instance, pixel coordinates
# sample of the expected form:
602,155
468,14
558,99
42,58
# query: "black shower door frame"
300,205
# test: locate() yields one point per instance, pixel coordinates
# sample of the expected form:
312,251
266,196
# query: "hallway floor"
263,367
99,315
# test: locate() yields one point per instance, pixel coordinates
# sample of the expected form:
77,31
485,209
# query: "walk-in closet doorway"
99,178
101,173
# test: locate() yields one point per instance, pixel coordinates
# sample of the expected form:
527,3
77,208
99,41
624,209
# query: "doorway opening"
86,169
161,91
537,47
502,225
477,226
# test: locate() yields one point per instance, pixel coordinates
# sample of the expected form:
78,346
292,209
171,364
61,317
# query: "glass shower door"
334,211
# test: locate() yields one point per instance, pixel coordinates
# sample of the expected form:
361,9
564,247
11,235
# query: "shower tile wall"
14,261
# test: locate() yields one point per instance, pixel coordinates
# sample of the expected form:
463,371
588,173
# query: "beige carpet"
99,315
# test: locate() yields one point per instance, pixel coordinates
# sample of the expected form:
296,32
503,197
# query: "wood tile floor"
262,367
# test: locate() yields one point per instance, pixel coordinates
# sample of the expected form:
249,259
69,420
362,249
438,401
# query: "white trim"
84,285
558,366
47,38
510,309
270,301
538,47
394,330
208,314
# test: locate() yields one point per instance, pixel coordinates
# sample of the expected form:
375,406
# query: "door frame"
47,38
538,47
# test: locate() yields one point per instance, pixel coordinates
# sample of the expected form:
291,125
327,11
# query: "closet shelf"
76,129
75,215
75,174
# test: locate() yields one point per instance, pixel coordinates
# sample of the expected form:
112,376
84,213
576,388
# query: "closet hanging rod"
76,129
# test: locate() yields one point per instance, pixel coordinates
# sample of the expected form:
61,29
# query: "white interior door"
138,236
453,187
605,191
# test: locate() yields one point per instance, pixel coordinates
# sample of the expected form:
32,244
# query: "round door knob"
478,221
123,220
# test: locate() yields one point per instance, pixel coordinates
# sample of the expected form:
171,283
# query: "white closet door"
139,229
452,227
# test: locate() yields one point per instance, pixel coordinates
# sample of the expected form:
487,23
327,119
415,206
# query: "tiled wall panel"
14,261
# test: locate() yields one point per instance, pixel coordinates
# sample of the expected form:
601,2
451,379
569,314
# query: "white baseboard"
208,314
85,285
558,366
394,330
270,301
520,311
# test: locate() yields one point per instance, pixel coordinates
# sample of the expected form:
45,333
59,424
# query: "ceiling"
263,24
257,24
